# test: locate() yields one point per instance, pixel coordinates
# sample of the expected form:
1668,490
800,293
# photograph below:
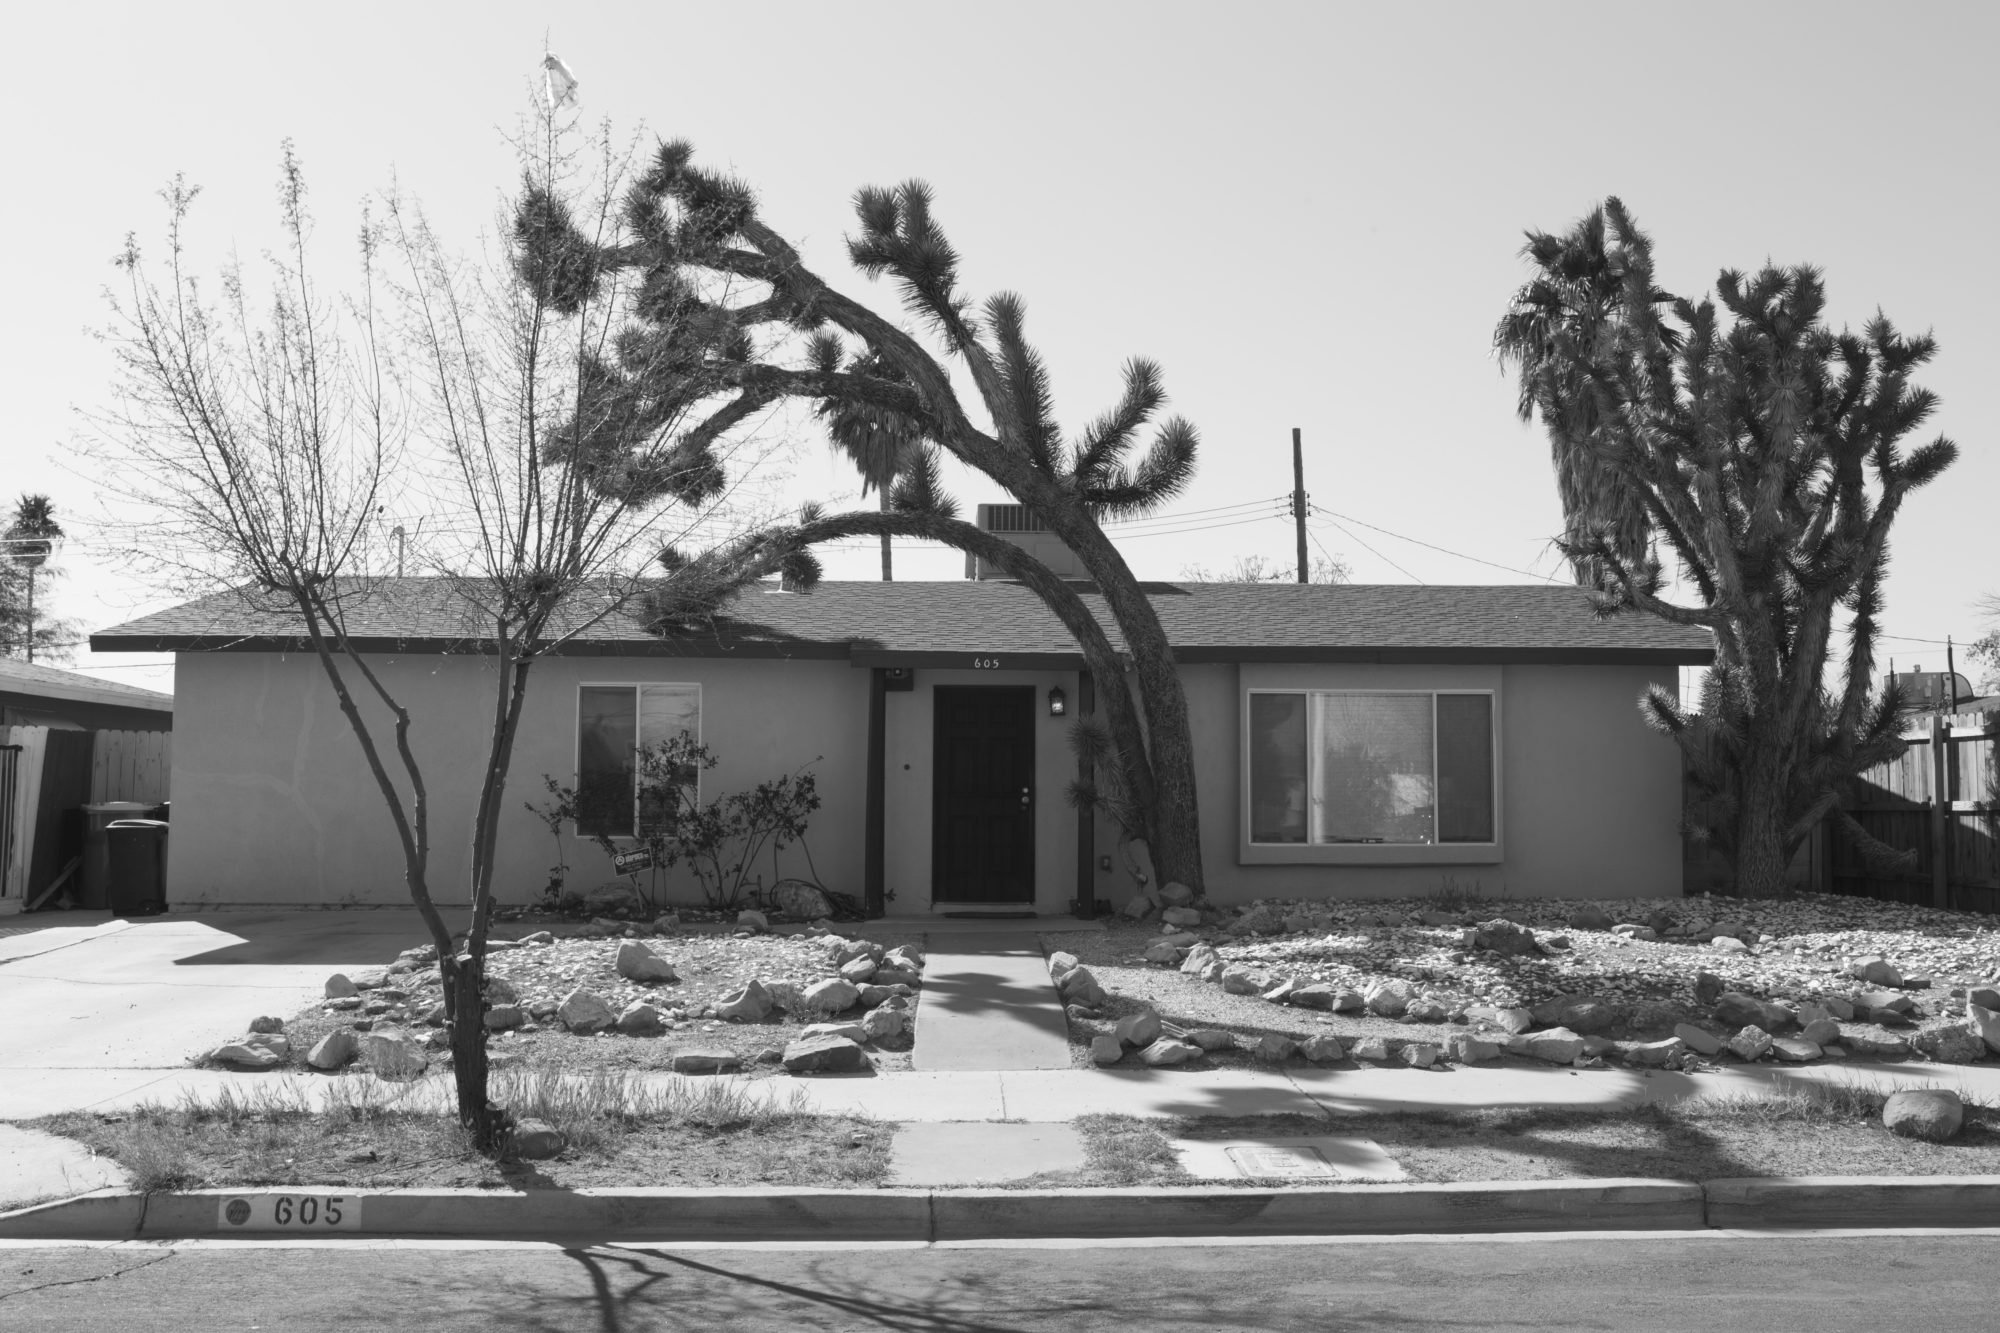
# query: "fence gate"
1938,800
10,784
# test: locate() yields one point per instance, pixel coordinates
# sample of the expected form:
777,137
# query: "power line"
1366,547
1443,550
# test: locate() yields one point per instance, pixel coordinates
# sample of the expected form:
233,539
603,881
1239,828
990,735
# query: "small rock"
1589,1014
1837,1009
1510,1021
1820,1031
581,1011
1699,1040
391,1054
1878,1048
1181,916
1272,1047
636,962
1983,1022
801,902
536,1140
1323,1049
1751,1044
1140,1029
1082,1013
1061,963
499,990
1199,958
1984,996
1420,1055
1506,938
1314,996
1211,1039
1950,1046
1795,1049
1728,944
536,938
1931,1114
1370,1048
639,1020
1240,980
1163,953
1590,918
1708,988
852,1031
502,1017
832,996
824,1055
1558,1046
1280,992
1426,1011
1176,894
706,1060
1470,1050
858,970
753,921
1105,1050
338,987
1876,971
267,1023
884,1024
333,1050
1079,985
1349,1002
887,974
244,1055
1389,998
1167,1051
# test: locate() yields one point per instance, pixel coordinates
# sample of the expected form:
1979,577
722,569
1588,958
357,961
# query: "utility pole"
1299,500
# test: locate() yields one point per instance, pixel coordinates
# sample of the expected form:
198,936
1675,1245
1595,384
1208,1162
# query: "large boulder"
832,996
1318,995
1272,1047
333,1050
753,921
1752,1043
1590,1014
888,975
535,1140
1950,1046
1062,963
1591,918
1737,1010
1796,1049
1321,1050
1238,979
1932,1114
1176,894
1106,1050
1876,971
1421,1055
1820,1031
752,1004
1656,1054
339,987
391,1053
883,1024
859,970
1164,953
1708,988
1258,920
824,1055
1468,1049
852,1031
1699,1040
504,1017
585,1013
638,963
267,1023
1211,1039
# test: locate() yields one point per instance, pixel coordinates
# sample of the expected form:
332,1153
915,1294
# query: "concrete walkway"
987,1004
35,1166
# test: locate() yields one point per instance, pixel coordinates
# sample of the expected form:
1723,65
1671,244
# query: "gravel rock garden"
614,995
1675,983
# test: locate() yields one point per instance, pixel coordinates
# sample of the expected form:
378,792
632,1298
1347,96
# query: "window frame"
1386,853
638,719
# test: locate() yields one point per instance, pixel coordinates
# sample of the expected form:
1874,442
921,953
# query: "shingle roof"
44,682
938,623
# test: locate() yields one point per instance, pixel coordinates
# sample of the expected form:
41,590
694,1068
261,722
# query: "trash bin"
138,866
94,875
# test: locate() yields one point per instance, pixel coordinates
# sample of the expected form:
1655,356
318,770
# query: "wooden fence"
1939,801
130,766
54,771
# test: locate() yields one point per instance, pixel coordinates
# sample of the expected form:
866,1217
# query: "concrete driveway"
151,994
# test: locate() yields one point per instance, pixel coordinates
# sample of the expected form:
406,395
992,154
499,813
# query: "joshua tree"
1765,451
797,337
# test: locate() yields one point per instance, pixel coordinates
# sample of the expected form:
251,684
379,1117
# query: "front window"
613,723
1371,767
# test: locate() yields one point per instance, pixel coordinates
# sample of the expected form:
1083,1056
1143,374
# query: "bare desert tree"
277,442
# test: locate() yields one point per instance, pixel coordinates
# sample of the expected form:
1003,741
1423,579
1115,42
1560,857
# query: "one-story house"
1352,741
33,695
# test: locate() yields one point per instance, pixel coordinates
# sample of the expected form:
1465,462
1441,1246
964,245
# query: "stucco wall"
273,802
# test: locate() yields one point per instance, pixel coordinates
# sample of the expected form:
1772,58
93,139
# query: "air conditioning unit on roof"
1018,524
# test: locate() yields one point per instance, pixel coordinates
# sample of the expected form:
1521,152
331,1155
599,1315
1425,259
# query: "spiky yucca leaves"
1765,452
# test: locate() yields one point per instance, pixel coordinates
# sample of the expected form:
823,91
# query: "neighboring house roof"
33,681
944,623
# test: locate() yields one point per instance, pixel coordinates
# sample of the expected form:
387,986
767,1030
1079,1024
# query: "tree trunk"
1761,825
888,574
465,1017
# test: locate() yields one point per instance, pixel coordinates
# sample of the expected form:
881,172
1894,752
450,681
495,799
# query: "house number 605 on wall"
986,663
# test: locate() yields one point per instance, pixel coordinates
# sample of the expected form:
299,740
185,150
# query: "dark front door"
983,801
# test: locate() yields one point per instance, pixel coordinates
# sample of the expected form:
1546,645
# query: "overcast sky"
1309,214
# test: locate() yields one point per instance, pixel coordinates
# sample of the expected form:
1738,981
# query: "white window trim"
576,736
1366,854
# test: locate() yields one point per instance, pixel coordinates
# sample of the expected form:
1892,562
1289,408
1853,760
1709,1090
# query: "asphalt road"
1713,1283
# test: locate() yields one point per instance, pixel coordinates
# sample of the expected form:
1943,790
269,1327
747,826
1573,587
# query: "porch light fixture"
1057,705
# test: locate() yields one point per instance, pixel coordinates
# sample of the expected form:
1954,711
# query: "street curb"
1855,1201
921,1216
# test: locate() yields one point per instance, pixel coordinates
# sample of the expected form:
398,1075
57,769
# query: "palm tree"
1562,331
883,445
30,540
